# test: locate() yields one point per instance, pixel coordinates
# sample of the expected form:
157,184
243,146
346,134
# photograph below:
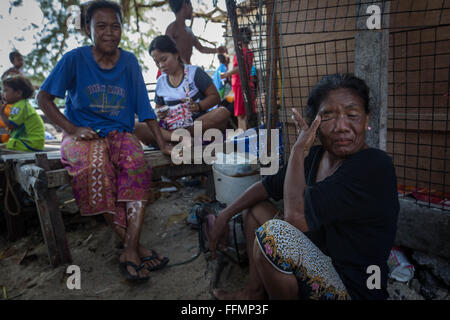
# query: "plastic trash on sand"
400,268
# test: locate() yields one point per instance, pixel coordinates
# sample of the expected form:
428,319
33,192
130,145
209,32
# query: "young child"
219,82
26,126
17,61
239,105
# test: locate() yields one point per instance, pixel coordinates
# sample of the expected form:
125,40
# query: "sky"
16,26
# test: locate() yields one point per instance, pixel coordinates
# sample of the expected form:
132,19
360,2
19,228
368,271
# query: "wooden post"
51,220
371,65
273,58
243,74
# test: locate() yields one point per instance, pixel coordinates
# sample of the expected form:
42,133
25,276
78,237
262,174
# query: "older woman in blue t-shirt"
110,174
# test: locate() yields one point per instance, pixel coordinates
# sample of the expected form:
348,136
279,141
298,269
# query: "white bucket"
229,188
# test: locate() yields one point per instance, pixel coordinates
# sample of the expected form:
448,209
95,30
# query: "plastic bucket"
229,188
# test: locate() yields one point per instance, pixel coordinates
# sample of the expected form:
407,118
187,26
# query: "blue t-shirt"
101,99
219,83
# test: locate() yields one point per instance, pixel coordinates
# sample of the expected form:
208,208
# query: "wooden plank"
47,229
30,156
53,223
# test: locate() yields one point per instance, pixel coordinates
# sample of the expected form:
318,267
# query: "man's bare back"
184,39
182,35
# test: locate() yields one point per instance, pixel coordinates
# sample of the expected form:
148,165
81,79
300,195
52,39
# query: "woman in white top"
181,83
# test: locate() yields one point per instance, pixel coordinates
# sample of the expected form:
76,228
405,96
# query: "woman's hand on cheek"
306,134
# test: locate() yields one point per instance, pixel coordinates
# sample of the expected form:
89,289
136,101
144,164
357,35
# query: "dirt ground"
26,273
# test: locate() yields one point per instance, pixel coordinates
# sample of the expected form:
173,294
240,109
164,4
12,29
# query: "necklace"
176,80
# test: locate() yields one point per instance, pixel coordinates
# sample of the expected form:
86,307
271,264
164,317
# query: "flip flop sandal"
154,256
128,276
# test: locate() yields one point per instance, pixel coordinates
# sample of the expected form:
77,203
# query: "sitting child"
26,127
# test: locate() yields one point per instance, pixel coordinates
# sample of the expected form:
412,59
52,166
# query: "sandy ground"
26,273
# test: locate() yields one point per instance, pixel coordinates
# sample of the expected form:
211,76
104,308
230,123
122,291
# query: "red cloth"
158,74
239,104
248,60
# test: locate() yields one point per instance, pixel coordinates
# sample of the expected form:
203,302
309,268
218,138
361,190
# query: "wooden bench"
41,174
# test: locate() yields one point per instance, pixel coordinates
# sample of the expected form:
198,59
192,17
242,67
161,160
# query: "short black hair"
13,54
333,82
245,34
91,7
20,83
164,44
175,5
222,58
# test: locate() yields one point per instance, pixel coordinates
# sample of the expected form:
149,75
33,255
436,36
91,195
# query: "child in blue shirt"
218,82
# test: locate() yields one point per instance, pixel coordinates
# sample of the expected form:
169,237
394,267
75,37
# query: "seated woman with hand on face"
183,94
340,207
110,173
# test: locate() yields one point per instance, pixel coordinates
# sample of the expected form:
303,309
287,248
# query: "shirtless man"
182,35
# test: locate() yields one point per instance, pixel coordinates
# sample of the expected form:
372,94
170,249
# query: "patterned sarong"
291,252
107,172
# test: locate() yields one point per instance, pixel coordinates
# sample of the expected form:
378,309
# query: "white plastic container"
229,188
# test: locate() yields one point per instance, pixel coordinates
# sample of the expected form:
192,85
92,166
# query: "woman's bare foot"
244,294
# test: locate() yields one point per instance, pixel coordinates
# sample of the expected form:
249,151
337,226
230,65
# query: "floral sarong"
291,252
107,172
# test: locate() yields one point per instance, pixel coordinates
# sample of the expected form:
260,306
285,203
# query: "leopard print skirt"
291,252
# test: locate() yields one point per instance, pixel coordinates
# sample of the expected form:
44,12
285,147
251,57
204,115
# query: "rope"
5,168
185,262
